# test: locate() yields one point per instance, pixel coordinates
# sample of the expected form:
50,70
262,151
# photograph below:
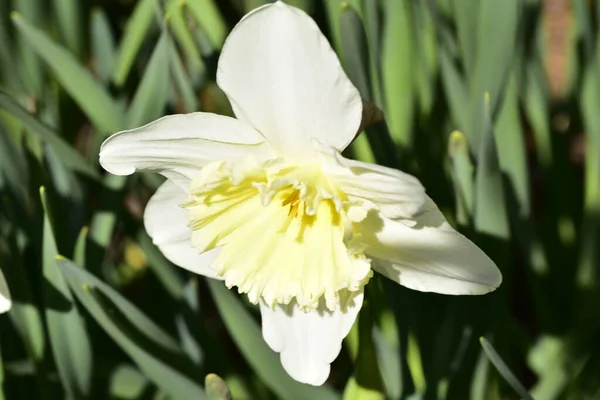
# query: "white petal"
429,256
282,77
394,193
167,225
5,299
308,342
177,146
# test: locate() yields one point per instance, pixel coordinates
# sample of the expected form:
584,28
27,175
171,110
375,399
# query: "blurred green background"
494,105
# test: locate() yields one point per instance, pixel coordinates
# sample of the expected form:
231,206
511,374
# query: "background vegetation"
520,80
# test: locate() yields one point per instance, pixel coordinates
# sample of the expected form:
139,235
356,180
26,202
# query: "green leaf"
466,14
164,270
103,45
29,64
152,94
69,23
512,152
183,83
136,31
177,22
354,48
537,111
247,336
210,20
496,36
455,90
13,165
93,99
366,382
490,216
68,337
397,71
503,369
80,245
155,353
462,175
68,156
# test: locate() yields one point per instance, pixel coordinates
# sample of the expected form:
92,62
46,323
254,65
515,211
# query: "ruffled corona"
285,233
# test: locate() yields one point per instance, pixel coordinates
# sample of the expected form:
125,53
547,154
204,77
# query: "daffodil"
5,300
267,203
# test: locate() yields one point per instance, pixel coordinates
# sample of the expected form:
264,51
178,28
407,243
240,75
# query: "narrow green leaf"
537,111
68,14
511,146
152,94
490,215
496,36
455,90
354,49
93,99
503,369
247,336
183,83
466,14
210,20
462,175
68,337
70,158
156,354
13,165
163,269
480,382
80,245
136,31
177,22
103,45
397,71
426,55
29,64
366,381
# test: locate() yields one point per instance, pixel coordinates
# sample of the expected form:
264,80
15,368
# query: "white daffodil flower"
5,300
266,203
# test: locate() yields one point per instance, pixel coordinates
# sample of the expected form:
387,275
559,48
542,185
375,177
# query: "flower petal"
167,225
308,342
394,193
5,298
429,256
177,146
283,78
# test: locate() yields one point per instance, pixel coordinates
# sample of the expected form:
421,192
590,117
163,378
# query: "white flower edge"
428,255
5,298
166,224
308,342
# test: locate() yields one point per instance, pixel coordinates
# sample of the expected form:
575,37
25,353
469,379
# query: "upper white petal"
429,255
5,299
394,193
308,342
282,77
177,146
167,225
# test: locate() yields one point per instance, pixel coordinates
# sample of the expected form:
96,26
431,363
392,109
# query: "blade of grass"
157,355
503,369
69,339
71,158
136,31
93,99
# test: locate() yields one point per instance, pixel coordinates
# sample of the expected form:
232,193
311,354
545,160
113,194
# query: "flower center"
285,233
